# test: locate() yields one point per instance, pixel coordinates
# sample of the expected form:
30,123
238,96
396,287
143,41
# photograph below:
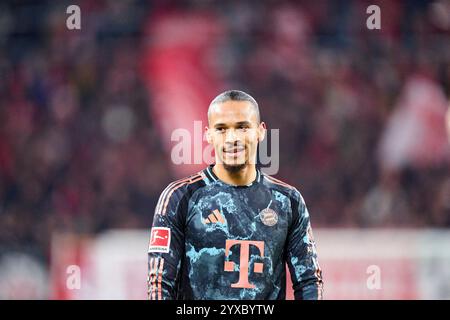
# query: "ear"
262,131
208,135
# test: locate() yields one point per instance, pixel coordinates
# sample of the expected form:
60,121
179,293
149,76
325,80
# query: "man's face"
234,132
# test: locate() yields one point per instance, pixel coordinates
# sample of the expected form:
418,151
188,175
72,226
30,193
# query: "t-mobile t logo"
243,262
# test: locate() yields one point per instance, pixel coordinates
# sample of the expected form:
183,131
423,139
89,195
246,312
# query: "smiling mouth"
234,152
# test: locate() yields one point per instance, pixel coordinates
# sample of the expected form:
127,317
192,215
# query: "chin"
235,167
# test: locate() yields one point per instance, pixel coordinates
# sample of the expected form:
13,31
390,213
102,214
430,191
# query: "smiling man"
228,231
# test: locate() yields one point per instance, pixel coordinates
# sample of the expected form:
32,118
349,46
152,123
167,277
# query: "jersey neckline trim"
213,177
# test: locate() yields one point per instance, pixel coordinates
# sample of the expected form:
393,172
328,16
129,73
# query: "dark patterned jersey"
212,240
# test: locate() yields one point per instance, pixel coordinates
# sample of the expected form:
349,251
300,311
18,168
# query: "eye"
220,129
243,127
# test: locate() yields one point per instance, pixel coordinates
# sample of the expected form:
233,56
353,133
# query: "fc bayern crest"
268,217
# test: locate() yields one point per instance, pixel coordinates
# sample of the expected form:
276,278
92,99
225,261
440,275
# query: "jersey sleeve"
301,252
166,245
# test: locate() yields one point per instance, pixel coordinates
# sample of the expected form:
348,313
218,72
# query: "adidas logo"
215,217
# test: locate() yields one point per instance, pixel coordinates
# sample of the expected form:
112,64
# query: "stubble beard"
234,168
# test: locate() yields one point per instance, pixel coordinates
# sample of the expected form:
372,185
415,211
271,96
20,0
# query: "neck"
239,178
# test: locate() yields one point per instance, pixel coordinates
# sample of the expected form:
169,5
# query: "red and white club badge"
159,240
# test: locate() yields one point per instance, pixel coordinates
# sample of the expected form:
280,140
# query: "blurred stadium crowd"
80,151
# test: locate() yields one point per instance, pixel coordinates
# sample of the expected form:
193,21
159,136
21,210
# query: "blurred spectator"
386,205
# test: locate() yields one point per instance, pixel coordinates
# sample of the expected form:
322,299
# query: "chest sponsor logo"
159,240
268,217
243,261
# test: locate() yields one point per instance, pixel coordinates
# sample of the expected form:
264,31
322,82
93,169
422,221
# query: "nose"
231,137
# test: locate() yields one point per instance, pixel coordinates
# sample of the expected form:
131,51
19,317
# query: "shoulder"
179,190
288,190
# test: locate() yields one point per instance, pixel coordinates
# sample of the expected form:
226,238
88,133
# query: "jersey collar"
212,176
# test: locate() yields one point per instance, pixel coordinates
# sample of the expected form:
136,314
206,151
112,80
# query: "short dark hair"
235,95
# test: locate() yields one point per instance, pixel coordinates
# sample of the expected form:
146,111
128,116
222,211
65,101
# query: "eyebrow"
244,122
237,124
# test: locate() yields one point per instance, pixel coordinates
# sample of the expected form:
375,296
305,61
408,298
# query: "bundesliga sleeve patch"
159,240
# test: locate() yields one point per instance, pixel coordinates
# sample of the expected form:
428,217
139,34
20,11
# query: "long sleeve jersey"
212,240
